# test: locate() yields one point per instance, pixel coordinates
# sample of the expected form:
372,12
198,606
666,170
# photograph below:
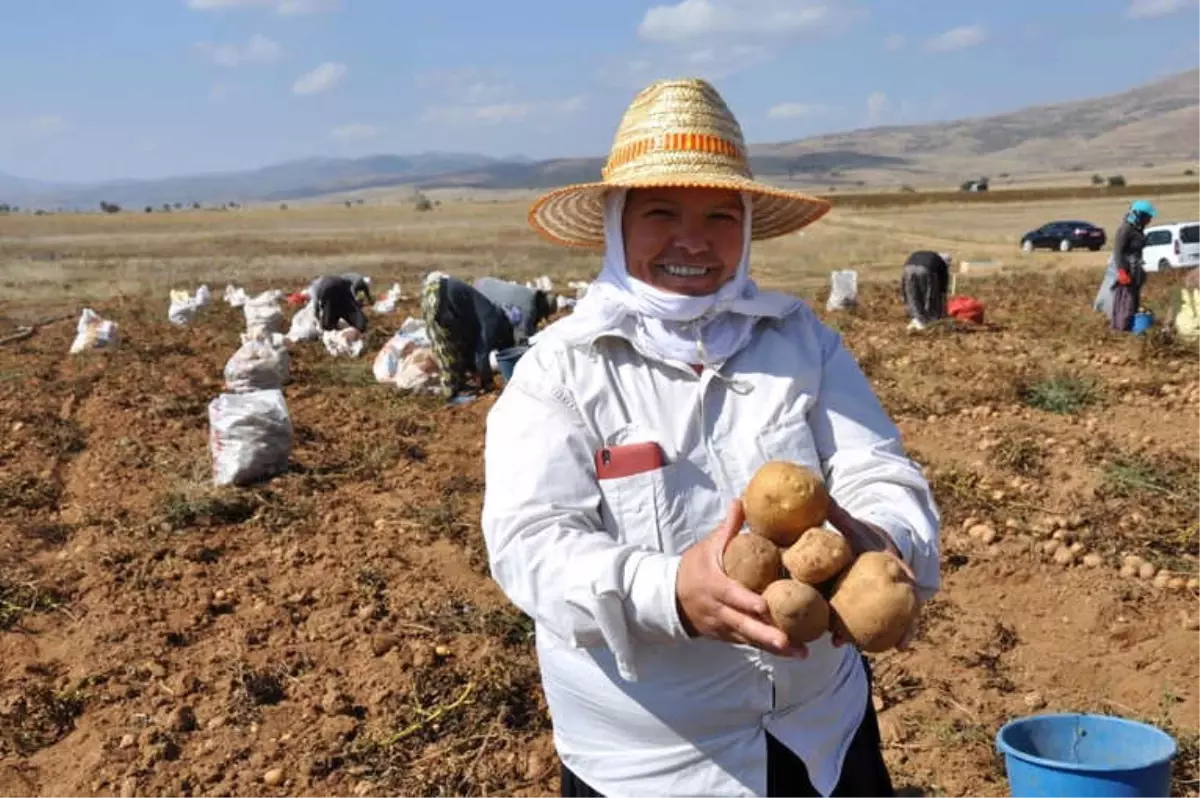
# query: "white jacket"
639,707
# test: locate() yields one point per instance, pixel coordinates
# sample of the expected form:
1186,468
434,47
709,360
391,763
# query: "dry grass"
51,261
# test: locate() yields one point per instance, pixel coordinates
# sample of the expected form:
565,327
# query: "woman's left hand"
862,537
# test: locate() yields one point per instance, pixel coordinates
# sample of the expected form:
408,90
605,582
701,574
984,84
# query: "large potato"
798,610
873,602
783,500
818,556
752,560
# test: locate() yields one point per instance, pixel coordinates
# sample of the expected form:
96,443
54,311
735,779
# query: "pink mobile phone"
614,462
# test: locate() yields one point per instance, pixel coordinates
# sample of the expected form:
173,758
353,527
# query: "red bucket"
965,308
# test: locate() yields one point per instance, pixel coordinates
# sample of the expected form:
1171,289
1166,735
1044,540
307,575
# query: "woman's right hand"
713,605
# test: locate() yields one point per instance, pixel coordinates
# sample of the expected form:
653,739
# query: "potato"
873,602
752,560
798,610
783,500
818,556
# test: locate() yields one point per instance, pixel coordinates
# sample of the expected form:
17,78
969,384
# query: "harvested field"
334,630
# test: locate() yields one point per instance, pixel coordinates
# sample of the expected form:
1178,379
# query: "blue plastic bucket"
507,359
1085,755
1142,321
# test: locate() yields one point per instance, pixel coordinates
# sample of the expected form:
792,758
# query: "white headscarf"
702,329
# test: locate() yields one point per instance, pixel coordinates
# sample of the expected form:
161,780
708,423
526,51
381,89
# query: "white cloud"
632,73
471,96
218,92
894,42
281,7
467,85
501,113
45,125
354,132
717,38
570,105
960,38
289,7
323,78
877,106
257,50
715,63
711,63
1147,9
466,114
698,19
796,110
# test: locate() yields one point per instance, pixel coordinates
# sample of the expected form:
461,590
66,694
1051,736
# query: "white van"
1172,246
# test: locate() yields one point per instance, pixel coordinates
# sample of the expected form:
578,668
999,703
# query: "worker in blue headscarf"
1129,272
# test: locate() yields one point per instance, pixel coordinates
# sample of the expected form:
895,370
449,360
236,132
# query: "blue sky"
101,89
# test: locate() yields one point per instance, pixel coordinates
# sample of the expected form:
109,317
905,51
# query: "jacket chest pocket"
791,440
648,510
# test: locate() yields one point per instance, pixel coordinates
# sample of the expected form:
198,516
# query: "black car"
1064,236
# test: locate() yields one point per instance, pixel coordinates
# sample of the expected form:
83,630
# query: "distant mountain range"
1156,122
289,180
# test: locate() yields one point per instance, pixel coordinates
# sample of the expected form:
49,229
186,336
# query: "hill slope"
1157,122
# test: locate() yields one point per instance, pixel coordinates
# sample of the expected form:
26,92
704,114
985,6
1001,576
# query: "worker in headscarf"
615,458
923,285
361,286
1130,271
464,328
335,301
525,307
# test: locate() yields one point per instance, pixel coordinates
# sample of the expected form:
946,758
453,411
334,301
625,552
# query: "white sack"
183,305
406,360
346,342
93,332
389,301
263,313
305,326
843,290
250,436
260,364
236,297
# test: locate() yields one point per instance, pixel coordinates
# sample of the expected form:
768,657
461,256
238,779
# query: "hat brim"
573,215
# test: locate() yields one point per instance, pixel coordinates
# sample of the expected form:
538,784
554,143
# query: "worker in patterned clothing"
464,328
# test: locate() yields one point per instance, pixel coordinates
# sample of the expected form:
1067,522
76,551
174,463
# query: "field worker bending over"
335,302
464,327
361,286
615,458
525,307
924,285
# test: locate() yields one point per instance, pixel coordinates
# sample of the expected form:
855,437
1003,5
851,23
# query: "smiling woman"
615,457
685,240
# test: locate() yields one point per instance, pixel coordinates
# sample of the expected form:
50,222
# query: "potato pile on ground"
810,578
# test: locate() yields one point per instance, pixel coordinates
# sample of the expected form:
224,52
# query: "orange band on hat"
672,142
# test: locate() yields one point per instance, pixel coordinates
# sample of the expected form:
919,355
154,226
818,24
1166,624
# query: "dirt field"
334,631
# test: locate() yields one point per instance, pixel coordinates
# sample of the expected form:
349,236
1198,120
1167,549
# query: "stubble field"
334,630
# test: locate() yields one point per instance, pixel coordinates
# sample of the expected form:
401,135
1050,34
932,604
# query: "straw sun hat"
674,133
